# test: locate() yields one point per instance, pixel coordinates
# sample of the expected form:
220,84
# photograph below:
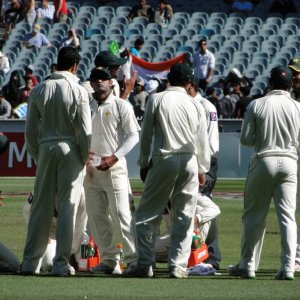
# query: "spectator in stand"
142,9
294,65
29,74
26,90
203,65
5,107
11,89
61,11
242,6
71,40
242,104
30,11
14,13
46,11
4,63
164,13
138,45
283,7
35,38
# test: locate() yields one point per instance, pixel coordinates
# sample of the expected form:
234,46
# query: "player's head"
294,65
180,75
4,142
67,58
101,81
105,59
281,78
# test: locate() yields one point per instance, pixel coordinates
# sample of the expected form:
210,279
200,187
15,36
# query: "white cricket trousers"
298,214
58,184
270,177
108,210
173,177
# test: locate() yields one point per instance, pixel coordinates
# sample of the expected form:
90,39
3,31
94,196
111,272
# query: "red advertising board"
16,161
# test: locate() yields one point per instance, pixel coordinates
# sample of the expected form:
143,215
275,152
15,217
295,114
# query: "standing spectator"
57,134
4,63
71,40
11,89
30,11
139,99
225,106
203,65
272,126
46,11
204,198
180,153
61,11
29,74
142,9
212,95
242,104
35,38
14,13
115,133
138,45
5,107
164,13
26,90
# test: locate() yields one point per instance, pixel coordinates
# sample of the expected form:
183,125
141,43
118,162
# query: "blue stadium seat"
142,20
123,10
105,10
199,14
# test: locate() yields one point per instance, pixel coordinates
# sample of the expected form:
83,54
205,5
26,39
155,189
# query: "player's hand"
107,162
201,178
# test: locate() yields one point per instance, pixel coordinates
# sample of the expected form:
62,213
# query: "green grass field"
85,286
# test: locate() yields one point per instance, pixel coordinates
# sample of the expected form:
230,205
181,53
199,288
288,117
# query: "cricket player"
9,263
177,125
294,65
115,133
204,197
272,127
57,134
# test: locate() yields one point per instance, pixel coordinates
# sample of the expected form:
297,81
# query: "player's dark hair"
67,57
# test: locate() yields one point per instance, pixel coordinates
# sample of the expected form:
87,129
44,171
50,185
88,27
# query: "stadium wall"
233,158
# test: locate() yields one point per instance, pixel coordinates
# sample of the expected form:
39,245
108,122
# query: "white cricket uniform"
210,231
57,134
272,127
201,64
180,152
107,191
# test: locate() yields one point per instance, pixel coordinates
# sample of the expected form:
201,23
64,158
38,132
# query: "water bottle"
196,240
91,248
83,248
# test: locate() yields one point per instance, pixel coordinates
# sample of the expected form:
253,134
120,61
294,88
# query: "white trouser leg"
298,213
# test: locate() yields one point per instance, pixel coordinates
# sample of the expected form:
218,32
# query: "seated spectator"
283,7
5,107
14,13
4,63
29,74
53,68
11,89
212,95
35,38
46,11
164,13
138,44
26,90
141,10
242,6
30,11
71,39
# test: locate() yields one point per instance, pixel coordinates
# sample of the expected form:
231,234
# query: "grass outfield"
85,286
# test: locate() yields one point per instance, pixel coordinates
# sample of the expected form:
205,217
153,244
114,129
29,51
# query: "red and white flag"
148,70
